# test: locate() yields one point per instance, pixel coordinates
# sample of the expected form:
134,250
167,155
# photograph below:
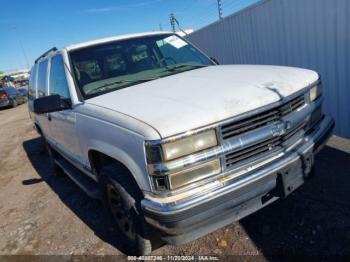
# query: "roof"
113,38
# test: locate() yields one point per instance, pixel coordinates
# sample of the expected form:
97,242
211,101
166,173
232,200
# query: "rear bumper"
185,221
4,103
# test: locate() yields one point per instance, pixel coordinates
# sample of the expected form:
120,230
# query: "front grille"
238,127
262,148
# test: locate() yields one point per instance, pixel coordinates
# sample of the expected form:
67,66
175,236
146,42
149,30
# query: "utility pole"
219,9
172,22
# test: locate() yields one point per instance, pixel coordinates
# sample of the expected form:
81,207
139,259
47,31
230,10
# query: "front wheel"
121,198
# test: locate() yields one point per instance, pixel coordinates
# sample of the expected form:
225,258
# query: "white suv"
175,145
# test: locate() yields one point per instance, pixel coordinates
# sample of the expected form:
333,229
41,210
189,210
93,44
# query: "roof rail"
53,49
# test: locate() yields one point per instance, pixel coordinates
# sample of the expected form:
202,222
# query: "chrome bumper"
226,201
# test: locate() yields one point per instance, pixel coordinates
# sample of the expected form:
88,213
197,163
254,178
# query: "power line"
208,15
235,5
187,8
215,9
174,21
203,21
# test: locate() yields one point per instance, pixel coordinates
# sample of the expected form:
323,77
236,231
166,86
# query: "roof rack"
53,49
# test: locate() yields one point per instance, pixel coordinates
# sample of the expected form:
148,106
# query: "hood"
201,97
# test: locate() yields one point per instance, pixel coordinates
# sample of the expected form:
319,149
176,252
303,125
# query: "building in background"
17,78
19,74
312,34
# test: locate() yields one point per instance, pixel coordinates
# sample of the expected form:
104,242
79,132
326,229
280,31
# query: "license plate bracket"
293,176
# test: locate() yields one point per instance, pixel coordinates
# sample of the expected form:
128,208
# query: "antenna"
21,45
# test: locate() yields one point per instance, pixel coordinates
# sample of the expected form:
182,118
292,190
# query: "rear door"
32,90
42,119
63,123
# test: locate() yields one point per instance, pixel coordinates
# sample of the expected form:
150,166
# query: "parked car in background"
10,96
24,92
173,144
22,82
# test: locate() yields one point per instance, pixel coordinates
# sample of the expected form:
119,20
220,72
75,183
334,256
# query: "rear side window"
32,81
42,79
58,81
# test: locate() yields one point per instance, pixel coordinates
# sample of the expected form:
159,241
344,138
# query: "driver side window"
58,82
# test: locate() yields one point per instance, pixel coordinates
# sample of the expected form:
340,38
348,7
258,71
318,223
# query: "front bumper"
184,221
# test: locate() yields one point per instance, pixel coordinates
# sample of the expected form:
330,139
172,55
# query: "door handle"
49,117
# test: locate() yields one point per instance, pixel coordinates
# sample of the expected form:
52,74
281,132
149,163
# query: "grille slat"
292,107
258,150
245,127
239,156
236,128
293,132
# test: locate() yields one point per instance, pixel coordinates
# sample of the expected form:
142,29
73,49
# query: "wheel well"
38,129
98,160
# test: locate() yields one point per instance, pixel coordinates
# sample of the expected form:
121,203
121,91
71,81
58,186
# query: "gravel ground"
41,214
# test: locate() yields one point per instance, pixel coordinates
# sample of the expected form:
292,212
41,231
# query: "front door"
63,123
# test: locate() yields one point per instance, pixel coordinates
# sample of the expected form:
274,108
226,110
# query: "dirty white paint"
201,97
111,39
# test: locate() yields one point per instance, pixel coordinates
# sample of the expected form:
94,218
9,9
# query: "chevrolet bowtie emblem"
278,129
287,125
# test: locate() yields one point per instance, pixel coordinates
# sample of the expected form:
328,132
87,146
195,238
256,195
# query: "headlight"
194,174
187,175
178,176
315,92
189,145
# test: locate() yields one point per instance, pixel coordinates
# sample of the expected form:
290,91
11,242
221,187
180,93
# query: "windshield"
107,67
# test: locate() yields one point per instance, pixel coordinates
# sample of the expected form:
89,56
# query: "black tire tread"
114,172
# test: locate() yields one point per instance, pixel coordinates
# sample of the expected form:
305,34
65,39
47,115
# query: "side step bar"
89,186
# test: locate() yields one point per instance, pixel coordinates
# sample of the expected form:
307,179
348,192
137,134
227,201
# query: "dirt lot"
48,215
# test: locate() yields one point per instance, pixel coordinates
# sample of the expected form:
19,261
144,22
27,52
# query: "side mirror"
214,60
52,103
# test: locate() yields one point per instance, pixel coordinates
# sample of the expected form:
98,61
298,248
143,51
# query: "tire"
121,198
14,103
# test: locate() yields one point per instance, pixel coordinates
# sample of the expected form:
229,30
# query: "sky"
30,27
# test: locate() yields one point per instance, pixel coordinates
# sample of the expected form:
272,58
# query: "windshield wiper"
135,81
175,67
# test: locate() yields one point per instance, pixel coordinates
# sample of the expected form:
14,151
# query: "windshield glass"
114,65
